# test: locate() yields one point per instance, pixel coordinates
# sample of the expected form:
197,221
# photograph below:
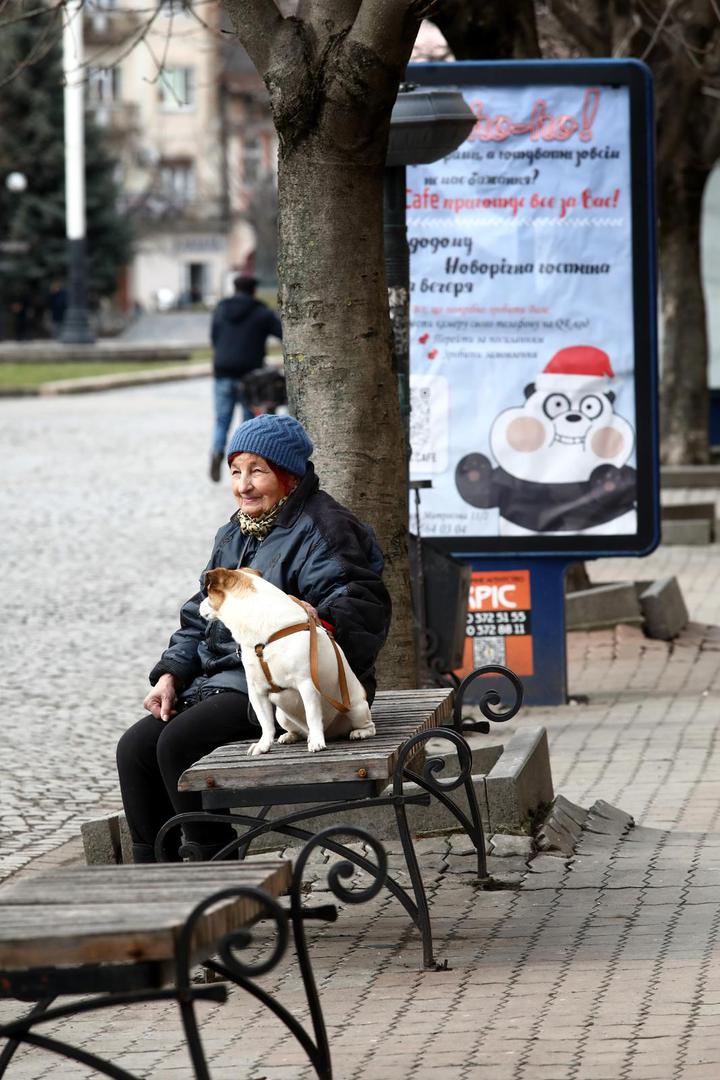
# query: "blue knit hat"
279,439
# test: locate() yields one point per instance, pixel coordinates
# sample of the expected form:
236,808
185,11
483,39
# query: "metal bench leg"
284,827
243,974
12,1044
19,1031
431,782
423,915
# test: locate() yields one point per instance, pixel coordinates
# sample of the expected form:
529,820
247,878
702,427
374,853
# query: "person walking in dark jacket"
241,325
304,542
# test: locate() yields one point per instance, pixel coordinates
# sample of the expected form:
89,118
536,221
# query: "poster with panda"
524,390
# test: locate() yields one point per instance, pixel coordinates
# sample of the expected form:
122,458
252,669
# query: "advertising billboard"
533,325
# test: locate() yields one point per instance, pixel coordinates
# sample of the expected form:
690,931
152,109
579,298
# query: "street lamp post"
76,328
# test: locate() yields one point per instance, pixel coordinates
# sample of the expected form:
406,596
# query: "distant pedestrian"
57,302
22,313
241,326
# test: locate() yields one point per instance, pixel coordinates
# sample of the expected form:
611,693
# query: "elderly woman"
304,542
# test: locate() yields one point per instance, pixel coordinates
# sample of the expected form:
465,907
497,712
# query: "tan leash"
311,625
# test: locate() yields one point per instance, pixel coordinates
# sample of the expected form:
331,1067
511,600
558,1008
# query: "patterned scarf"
262,525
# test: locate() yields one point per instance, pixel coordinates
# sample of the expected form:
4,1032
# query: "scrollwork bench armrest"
489,699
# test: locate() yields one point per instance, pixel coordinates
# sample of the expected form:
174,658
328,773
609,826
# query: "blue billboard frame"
637,77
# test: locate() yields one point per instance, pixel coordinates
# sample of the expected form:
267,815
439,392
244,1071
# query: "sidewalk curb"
517,783
116,381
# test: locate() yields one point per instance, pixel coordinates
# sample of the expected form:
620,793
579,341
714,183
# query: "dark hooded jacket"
317,551
240,328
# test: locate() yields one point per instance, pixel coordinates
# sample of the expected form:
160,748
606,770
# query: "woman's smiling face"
255,486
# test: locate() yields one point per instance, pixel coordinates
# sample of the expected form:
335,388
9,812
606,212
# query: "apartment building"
187,119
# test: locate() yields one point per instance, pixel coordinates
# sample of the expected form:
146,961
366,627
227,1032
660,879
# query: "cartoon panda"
561,457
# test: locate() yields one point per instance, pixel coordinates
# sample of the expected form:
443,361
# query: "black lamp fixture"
427,125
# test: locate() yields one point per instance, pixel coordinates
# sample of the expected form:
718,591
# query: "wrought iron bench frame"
144,981
332,797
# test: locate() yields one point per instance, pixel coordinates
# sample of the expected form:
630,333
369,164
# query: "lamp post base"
76,329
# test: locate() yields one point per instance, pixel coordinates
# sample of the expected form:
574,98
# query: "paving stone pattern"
603,965
108,519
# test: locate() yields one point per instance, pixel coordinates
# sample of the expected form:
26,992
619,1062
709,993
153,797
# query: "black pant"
151,757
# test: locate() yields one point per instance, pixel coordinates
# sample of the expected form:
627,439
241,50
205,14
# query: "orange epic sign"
499,621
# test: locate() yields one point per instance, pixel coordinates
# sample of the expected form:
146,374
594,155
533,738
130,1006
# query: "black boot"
204,852
143,853
215,466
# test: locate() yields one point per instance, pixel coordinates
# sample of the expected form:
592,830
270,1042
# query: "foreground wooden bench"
351,775
131,934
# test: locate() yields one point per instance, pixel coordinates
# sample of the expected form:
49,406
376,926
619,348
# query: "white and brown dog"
279,672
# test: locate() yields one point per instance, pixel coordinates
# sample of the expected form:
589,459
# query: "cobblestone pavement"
184,327
601,967
108,516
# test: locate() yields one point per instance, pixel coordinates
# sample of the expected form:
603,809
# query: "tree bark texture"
684,397
332,73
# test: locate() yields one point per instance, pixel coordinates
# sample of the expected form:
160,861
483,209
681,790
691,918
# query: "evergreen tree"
31,142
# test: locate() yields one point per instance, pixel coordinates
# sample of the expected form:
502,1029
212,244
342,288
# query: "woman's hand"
162,697
312,612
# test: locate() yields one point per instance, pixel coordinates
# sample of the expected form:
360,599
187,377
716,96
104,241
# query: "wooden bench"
131,934
351,775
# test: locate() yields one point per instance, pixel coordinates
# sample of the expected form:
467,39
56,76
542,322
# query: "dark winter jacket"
317,551
240,327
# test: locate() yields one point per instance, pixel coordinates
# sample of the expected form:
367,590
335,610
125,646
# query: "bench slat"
398,716
132,925
89,879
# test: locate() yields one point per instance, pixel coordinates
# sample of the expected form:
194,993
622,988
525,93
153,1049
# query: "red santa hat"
575,366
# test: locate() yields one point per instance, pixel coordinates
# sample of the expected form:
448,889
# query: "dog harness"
311,625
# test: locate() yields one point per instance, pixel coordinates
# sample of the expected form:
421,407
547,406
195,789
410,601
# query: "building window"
196,276
177,180
252,159
177,88
172,8
104,86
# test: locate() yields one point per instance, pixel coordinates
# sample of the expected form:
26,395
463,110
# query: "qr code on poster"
488,650
429,420
420,434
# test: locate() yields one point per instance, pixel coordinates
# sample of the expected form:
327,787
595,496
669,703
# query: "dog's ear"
218,580
252,570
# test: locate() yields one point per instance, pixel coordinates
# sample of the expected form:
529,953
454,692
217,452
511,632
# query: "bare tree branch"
133,41
33,13
632,27
489,29
44,45
712,137
256,23
660,23
388,28
581,31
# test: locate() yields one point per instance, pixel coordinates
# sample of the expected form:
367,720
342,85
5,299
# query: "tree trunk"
338,359
332,72
684,402
577,577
